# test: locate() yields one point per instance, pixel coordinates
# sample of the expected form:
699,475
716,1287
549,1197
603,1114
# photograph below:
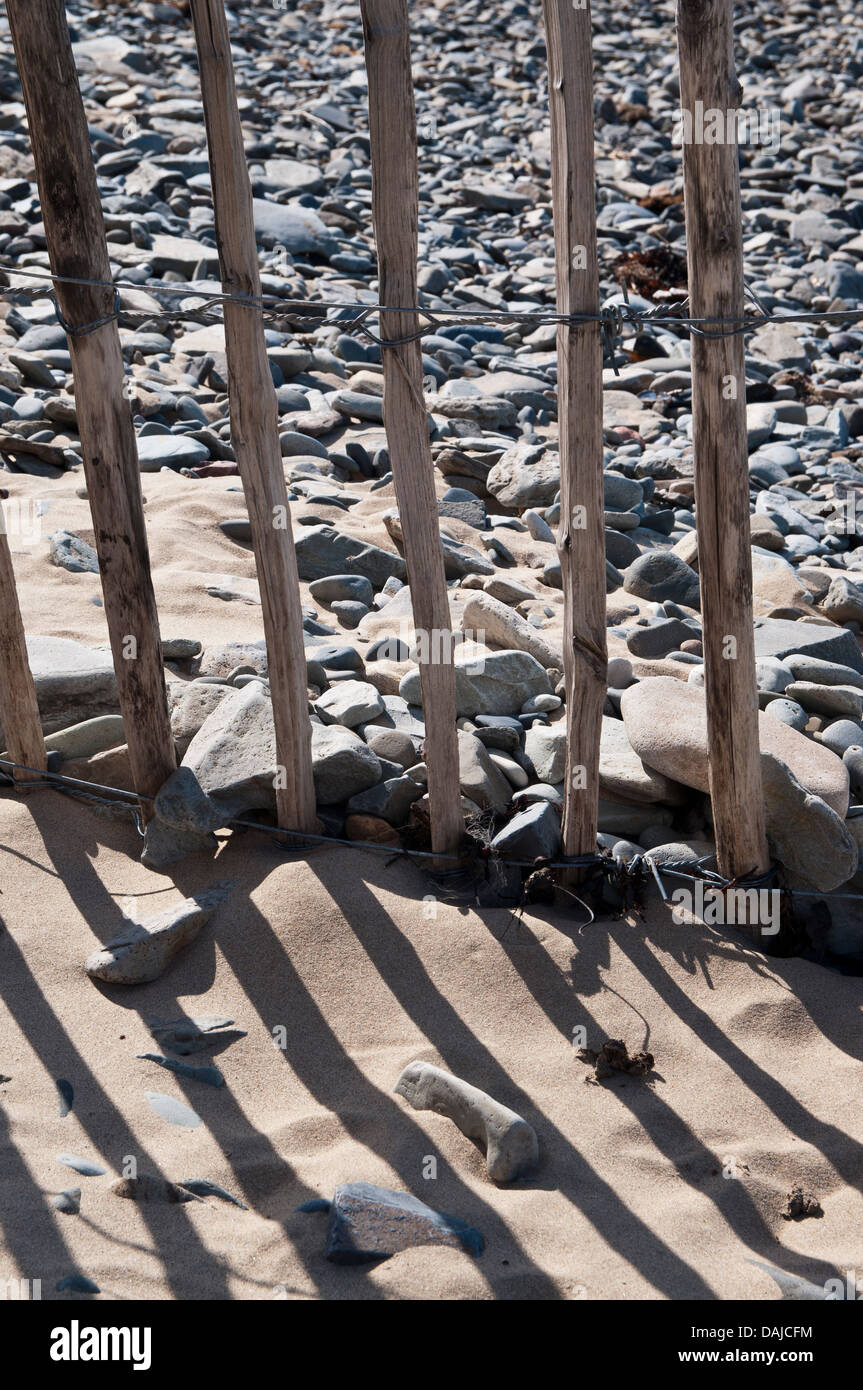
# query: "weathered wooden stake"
581,533
22,727
395,207
75,234
254,419
715,258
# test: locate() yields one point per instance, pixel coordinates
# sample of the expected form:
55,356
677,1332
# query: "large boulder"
73,682
489,620
812,843
526,475
666,723
342,764
487,682
622,774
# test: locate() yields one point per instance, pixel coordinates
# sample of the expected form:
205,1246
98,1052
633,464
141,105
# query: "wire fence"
617,320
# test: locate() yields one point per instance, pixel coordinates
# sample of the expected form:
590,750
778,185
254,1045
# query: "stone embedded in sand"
203,1187
233,755
510,1142
76,1283
805,834
145,1188
188,1035
68,1201
85,1166
182,803
208,1076
73,682
372,1223
793,1287
142,951
66,1097
166,844
70,552
666,723
172,1110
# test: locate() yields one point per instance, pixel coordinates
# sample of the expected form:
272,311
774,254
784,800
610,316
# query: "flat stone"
666,722
491,620
372,1223
494,683
73,682
349,703
89,737
322,552
145,948
782,637
808,838
623,774
157,451
69,552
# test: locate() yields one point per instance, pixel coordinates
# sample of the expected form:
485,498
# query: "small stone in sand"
203,1187
77,1283
66,1096
85,1166
174,1111
146,1188
210,1076
67,1201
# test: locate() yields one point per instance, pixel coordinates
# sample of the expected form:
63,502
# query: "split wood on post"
254,420
714,242
581,533
75,236
22,727
395,206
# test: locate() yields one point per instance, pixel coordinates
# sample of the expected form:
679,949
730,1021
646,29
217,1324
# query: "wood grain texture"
19,712
715,261
75,234
581,533
392,124
254,419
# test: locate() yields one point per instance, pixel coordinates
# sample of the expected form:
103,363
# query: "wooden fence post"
395,206
254,419
581,533
75,234
22,727
714,242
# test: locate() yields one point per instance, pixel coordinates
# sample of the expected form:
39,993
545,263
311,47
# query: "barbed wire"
617,320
